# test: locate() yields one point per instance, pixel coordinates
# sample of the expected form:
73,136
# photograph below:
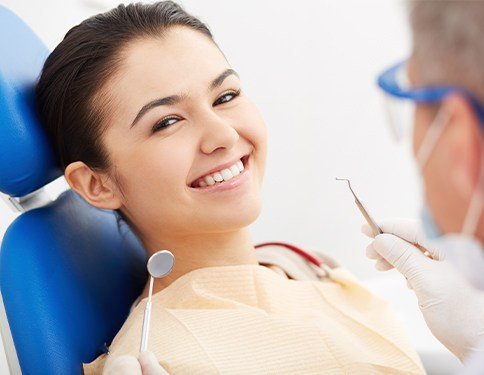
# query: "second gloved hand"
452,308
145,364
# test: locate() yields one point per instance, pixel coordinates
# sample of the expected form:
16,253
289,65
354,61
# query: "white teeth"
235,170
209,180
226,174
223,175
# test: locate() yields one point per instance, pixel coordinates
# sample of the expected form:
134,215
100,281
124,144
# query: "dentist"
443,84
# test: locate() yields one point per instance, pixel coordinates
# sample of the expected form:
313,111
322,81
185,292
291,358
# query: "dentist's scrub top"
249,319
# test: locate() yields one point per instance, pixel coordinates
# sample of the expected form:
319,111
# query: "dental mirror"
159,265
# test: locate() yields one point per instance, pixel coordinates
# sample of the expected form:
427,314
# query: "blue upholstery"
68,279
68,274
26,161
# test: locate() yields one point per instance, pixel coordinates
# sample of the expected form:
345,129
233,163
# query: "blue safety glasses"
401,98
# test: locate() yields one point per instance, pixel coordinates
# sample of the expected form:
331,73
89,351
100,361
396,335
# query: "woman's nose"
217,132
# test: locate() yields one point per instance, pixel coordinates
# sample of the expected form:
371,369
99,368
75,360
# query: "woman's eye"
227,97
164,123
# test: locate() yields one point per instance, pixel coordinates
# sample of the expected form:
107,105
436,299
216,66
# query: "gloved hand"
452,308
145,364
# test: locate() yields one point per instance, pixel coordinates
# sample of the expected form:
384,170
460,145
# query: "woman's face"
176,115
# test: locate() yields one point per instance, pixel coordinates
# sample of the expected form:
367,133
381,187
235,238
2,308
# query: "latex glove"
145,364
452,308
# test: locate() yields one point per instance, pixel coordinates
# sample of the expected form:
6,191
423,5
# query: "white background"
311,68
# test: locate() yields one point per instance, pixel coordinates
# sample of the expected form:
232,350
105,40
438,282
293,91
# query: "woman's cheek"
260,126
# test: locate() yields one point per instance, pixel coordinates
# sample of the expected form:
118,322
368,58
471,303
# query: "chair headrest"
27,160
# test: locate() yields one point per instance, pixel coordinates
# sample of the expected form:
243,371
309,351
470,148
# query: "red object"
296,249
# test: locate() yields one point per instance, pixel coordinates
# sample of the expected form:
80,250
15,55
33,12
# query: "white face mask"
464,250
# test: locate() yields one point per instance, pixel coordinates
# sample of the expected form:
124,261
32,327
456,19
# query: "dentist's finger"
406,258
382,265
406,229
150,365
124,365
372,253
410,230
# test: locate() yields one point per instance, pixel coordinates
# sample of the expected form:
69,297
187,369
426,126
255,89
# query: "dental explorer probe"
159,265
372,223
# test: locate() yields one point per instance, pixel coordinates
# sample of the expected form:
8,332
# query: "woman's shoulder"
296,264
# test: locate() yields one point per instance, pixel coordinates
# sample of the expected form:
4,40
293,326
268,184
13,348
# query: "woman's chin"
232,218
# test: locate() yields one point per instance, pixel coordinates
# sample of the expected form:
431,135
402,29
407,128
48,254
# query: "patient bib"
249,319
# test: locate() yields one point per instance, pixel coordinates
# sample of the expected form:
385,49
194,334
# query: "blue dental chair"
68,273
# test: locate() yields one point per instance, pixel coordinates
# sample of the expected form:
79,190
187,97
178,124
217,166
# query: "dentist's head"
148,118
448,133
442,83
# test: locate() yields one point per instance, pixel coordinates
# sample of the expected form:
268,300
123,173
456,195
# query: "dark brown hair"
69,96
68,93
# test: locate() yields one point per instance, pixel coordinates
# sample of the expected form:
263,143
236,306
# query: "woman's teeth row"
223,175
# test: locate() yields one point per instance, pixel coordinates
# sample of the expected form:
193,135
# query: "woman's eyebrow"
218,81
174,99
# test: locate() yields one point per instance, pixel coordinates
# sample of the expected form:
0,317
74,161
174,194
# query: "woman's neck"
207,250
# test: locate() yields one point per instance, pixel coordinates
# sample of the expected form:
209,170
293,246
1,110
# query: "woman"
148,118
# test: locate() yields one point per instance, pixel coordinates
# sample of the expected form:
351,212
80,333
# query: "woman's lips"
231,184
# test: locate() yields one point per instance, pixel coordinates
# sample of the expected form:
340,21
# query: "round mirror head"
160,263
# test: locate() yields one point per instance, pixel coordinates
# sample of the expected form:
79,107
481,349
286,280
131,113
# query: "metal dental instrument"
159,265
372,223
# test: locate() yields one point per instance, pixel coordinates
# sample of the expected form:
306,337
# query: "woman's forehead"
180,54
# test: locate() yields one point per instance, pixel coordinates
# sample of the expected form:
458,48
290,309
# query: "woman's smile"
225,179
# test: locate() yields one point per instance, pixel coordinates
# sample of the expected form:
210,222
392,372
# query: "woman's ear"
96,188
465,145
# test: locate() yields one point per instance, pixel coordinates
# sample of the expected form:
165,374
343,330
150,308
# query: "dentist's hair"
69,93
448,45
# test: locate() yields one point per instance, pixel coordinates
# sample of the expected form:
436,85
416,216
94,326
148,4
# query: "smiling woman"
149,119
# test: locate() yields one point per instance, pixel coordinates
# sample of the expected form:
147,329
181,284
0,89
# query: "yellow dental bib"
248,319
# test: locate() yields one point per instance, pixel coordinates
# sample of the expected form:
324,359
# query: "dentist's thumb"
150,365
